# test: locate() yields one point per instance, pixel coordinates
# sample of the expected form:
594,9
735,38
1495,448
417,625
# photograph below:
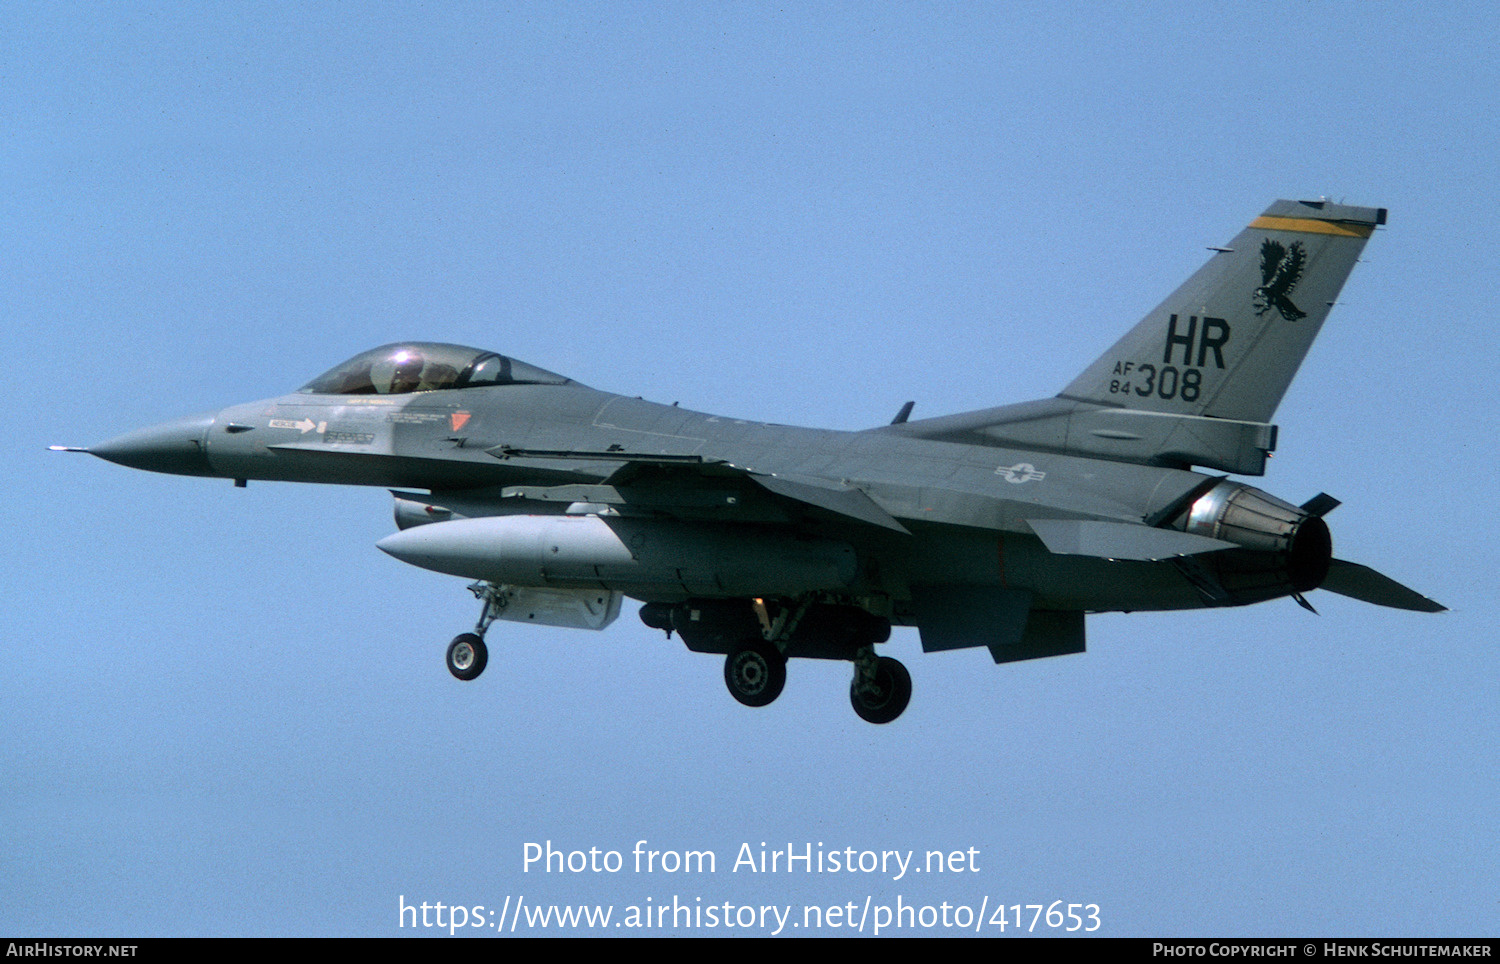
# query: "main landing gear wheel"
467,656
755,673
884,695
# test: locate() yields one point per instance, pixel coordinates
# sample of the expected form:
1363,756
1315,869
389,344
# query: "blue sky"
224,711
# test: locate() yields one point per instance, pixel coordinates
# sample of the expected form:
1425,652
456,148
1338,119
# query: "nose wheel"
467,656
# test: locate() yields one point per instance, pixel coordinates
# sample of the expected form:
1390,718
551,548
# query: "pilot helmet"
406,372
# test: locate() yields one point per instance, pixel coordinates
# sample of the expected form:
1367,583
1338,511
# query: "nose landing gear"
467,654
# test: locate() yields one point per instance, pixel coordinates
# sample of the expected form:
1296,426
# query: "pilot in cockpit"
437,377
406,376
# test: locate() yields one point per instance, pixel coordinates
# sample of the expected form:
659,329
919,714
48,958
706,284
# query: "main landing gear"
467,654
755,673
881,687
756,637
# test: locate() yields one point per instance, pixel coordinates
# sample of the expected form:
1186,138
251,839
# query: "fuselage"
1001,527
966,507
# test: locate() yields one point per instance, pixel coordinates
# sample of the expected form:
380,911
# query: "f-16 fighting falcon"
1002,528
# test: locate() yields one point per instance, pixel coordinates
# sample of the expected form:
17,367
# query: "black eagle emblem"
1280,270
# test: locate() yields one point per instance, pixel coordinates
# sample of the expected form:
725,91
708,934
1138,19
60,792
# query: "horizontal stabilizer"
1120,540
1365,584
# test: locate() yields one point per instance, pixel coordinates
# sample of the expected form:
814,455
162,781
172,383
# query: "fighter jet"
1002,528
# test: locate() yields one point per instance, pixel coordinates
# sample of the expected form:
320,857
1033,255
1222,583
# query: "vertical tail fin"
1229,341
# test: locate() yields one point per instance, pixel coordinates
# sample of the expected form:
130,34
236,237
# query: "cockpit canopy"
424,366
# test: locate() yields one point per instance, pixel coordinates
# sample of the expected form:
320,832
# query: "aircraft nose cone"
176,447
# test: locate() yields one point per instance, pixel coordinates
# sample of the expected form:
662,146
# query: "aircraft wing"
686,474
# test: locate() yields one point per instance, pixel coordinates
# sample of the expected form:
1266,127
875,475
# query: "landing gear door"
572,608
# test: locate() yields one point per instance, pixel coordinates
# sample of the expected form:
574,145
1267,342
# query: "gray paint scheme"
998,528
